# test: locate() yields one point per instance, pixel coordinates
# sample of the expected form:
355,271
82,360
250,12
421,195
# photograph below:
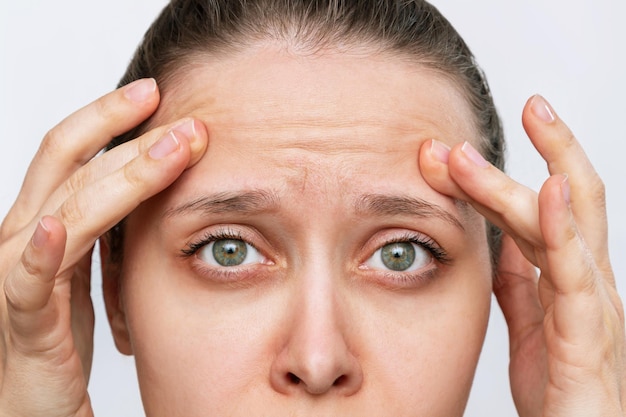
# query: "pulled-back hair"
187,31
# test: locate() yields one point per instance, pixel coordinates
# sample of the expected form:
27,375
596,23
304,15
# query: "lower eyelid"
400,281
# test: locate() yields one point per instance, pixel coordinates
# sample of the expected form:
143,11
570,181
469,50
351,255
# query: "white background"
56,56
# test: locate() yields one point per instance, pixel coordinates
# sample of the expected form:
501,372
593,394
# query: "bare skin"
568,323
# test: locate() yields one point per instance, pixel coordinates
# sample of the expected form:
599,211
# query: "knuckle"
12,292
571,234
10,295
74,183
52,143
598,190
569,139
71,212
104,108
30,266
132,175
7,229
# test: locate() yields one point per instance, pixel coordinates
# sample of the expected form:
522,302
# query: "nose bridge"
317,319
317,356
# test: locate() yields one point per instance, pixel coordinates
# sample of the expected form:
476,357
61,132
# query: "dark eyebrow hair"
393,205
242,202
261,201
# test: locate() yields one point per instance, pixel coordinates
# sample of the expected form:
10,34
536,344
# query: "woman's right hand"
69,199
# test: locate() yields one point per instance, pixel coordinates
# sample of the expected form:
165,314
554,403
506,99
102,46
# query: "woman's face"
304,267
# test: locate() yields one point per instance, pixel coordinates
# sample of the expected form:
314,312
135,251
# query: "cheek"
193,349
425,350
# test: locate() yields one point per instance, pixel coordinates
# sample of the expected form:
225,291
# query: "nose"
316,355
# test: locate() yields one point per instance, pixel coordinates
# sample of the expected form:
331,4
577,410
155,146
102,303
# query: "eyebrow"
246,203
394,205
262,201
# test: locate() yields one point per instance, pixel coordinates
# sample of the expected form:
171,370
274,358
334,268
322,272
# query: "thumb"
29,286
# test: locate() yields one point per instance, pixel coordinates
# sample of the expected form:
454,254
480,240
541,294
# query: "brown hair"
188,30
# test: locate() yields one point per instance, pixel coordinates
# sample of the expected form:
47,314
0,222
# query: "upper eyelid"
258,242
380,239
208,236
428,243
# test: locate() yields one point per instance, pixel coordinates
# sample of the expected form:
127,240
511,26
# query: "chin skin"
311,326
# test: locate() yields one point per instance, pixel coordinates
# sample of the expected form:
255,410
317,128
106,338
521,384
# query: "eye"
229,253
400,257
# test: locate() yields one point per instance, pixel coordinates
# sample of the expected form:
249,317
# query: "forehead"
325,124
268,89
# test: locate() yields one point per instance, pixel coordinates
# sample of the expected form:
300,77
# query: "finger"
82,313
433,159
570,263
515,288
29,286
76,140
194,130
516,291
563,153
571,270
93,210
121,155
467,176
587,333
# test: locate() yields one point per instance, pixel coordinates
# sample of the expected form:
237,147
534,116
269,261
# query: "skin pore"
312,161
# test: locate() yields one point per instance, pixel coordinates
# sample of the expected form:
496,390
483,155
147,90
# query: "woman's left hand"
566,326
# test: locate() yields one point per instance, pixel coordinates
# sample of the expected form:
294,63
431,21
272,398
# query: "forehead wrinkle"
394,205
242,202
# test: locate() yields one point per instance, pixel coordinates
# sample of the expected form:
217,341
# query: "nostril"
340,381
293,378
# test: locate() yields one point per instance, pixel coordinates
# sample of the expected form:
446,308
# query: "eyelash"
404,279
417,278
428,243
236,275
193,247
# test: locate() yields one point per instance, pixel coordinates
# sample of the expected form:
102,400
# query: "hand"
566,326
66,202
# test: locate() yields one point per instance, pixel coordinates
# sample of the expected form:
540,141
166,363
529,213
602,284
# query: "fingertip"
473,156
29,285
541,109
539,120
199,142
188,133
433,161
49,232
141,91
167,145
439,151
41,235
434,157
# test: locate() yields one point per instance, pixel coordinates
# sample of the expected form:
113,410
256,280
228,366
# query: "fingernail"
565,189
542,109
440,151
41,235
474,155
140,90
186,128
165,146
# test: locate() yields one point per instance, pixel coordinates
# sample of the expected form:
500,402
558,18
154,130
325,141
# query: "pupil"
229,252
398,256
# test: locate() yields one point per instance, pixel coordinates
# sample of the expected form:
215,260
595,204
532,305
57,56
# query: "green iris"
398,256
229,252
